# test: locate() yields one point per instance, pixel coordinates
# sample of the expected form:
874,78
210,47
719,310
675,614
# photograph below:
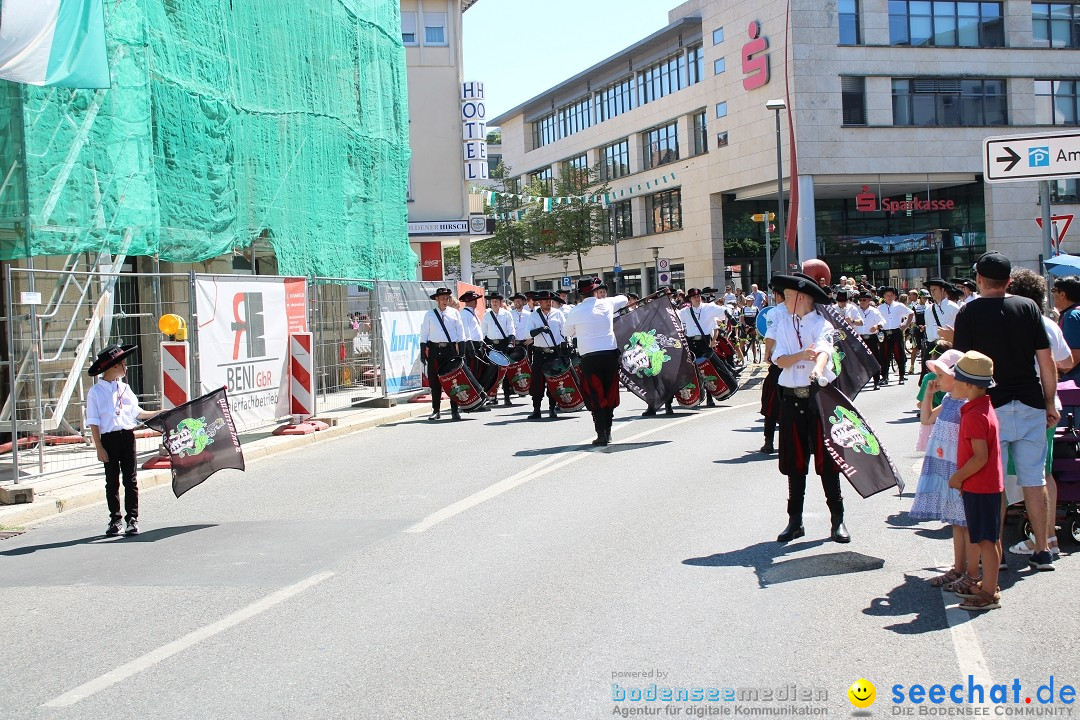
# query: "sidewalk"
59,493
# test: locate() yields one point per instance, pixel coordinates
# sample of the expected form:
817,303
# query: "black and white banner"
655,360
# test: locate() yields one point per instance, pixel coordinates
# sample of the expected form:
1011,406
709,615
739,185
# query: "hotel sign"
474,130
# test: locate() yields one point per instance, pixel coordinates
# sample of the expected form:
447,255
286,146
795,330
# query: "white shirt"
706,315
969,298
431,330
591,323
850,312
729,298
112,405
521,322
894,314
871,319
505,321
471,324
794,334
555,321
1059,349
946,312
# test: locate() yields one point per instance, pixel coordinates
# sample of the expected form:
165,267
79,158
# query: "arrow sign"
1041,156
1012,158
1060,224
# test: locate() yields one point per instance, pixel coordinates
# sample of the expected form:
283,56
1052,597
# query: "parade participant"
474,336
545,327
968,290
113,413
632,300
940,313
699,324
917,328
868,326
803,349
748,331
897,316
498,328
770,392
591,322
441,338
520,314
850,312
563,300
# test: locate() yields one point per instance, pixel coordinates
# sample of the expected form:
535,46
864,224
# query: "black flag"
854,446
200,438
852,360
655,360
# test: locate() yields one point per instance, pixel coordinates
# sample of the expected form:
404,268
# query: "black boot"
709,402
609,416
454,413
551,412
507,402
435,415
651,412
794,527
793,530
535,413
668,410
598,425
838,532
768,448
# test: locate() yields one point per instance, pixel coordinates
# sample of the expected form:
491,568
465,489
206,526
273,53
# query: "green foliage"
570,230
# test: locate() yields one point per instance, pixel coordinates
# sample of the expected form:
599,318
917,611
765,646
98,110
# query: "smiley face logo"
862,693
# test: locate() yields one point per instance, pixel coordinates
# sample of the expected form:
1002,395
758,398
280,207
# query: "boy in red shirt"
978,477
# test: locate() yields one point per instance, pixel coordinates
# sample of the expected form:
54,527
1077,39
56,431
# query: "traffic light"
763,217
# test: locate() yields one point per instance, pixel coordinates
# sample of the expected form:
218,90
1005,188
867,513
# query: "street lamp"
778,104
656,264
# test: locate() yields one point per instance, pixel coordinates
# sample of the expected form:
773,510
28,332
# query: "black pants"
438,356
503,346
600,387
119,445
538,386
802,434
894,349
875,350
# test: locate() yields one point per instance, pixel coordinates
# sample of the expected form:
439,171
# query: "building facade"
889,101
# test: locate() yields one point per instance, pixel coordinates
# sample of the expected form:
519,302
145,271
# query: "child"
979,478
934,499
937,349
113,412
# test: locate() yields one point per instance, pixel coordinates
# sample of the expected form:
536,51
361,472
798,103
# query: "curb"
91,490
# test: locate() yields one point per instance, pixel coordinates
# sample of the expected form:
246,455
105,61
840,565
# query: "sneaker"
132,527
114,529
1041,561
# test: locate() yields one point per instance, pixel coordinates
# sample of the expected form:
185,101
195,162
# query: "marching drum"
490,372
519,372
691,394
461,385
498,358
562,381
716,377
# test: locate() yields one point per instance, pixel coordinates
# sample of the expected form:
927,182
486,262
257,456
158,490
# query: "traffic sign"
566,282
617,269
1061,224
663,264
664,278
1042,156
760,217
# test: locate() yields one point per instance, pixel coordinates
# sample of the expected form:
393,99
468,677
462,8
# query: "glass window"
721,139
701,133
663,78
574,117
1055,25
949,102
615,160
695,64
660,145
545,131
848,16
434,28
542,176
718,36
719,66
663,211
853,93
721,109
575,172
1057,102
1064,191
947,23
621,219
408,28
615,99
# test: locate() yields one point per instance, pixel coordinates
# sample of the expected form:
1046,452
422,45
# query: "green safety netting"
230,120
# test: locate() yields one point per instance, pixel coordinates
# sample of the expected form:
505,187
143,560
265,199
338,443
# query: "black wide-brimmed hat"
841,295
530,294
108,357
546,295
966,282
800,282
941,283
865,295
693,292
469,296
889,288
495,296
518,296
588,285
441,292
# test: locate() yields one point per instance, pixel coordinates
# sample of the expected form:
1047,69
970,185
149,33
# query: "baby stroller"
1066,467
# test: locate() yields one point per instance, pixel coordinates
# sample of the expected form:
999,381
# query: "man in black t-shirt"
1010,330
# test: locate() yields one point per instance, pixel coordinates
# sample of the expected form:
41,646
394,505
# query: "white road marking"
543,468
177,646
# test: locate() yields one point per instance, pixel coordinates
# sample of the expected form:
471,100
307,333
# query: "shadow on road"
613,447
524,418
913,597
98,539
903,421
763,559
748,456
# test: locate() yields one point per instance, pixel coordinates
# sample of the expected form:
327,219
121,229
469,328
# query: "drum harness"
438,316
549,332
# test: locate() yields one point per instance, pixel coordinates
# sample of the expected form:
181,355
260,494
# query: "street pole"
782,225
768,255
1044,202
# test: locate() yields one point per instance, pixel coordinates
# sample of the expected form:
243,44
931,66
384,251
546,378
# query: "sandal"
974,591
982,601
963,585
951,576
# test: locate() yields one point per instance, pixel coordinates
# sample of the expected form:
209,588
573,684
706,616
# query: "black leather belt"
797,392
439,344
544,349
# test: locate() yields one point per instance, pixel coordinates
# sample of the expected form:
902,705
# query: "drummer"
441,340
520,315
868,323
563,300
803,347
699,322
770,391
474,337
498,329
592,323
546,329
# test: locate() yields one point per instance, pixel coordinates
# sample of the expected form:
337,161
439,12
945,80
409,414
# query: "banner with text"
244,326
401,311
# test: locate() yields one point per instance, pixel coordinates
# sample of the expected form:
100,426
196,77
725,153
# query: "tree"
511,241
573,227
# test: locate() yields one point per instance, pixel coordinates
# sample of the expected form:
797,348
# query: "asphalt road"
499,568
